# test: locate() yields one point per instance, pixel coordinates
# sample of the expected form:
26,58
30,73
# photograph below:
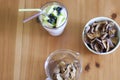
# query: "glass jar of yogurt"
54,18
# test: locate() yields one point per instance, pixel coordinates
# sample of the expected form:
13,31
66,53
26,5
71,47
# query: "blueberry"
54,8
58,13
59,9
49,21
53,19
51,16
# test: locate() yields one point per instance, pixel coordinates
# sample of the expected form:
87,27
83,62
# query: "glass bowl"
65,55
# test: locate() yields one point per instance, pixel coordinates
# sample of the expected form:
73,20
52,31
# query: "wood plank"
8,22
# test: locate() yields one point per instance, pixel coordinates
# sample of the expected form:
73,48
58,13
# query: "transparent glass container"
58,30
62,55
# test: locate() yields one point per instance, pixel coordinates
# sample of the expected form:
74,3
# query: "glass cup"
68,56
60,28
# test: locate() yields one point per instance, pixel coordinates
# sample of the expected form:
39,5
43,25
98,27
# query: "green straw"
26,10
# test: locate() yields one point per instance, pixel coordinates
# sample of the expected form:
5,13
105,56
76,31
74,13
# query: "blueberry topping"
54,8
53,19
51,16
58,9
58,13
49,21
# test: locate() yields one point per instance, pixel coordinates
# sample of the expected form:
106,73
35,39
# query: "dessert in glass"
54,18
63,64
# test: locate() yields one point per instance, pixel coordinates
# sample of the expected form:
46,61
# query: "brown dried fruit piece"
65,71
101,36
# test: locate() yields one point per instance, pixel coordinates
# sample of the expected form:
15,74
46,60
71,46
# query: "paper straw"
28,19
25,10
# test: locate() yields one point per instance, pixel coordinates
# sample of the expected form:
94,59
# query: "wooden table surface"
25,47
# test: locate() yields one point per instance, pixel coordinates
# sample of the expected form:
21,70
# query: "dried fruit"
101,36
65,71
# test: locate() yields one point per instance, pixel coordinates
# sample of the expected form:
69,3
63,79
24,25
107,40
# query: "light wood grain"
25,47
